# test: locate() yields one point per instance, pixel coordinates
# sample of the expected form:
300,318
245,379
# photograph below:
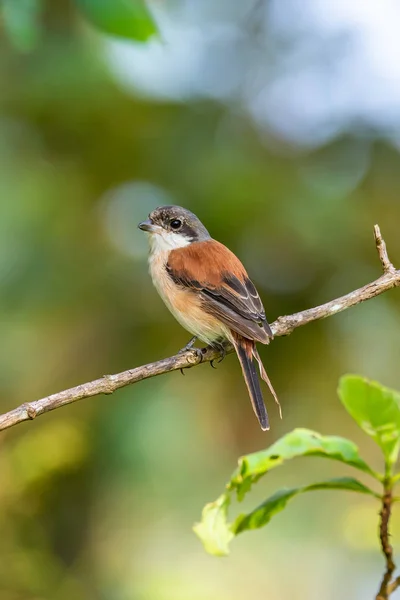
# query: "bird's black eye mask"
176,219
189,232
181,226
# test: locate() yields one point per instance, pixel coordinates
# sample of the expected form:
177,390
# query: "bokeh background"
278,123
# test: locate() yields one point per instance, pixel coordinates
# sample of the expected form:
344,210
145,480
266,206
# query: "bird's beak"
148,226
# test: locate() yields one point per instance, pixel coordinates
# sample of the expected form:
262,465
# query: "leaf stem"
386,587
396,478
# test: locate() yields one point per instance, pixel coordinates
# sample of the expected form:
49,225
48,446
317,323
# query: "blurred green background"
278,124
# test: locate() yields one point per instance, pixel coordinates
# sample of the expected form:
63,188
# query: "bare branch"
282,326
390,279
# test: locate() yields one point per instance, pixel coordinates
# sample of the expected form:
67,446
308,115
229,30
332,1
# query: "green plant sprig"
376,409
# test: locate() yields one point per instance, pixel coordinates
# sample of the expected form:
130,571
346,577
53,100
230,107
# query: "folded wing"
222,282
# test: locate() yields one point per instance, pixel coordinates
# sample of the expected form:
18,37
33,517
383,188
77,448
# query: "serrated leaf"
262,515
376,409
213,529
129,19
297,443
21,21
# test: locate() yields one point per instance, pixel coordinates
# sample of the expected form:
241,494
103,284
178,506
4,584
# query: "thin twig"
282,326
387,549
387,266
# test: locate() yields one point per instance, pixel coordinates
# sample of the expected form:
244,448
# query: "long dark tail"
245,349
247,352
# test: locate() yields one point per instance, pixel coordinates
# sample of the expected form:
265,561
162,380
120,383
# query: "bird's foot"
189,346
222,351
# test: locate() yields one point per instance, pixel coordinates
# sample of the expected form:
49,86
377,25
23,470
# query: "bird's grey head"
173,227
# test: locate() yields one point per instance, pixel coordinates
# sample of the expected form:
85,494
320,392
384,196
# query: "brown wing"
224,286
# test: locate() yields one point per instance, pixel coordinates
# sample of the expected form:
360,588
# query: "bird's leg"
189,345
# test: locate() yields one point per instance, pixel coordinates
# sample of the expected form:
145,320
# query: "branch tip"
387,265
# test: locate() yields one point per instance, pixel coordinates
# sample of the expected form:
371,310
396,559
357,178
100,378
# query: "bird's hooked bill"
148,226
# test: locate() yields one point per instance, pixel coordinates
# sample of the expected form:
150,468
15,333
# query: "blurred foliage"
97,499
21,20
128,19
375,408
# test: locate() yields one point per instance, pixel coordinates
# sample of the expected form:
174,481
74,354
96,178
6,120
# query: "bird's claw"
199,356
222,351
199,353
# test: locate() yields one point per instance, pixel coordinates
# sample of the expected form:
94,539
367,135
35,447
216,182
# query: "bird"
208,290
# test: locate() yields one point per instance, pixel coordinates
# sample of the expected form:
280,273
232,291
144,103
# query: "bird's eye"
176,224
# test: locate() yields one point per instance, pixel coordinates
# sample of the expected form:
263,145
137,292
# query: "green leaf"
216,533
129,19
21,21
278,501
376,409
300,442
213,530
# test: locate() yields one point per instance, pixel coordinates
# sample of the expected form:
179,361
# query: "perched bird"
208,291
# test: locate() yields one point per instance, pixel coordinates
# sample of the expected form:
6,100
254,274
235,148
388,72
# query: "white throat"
166,241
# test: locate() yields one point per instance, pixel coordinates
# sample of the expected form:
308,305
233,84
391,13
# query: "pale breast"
184,303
